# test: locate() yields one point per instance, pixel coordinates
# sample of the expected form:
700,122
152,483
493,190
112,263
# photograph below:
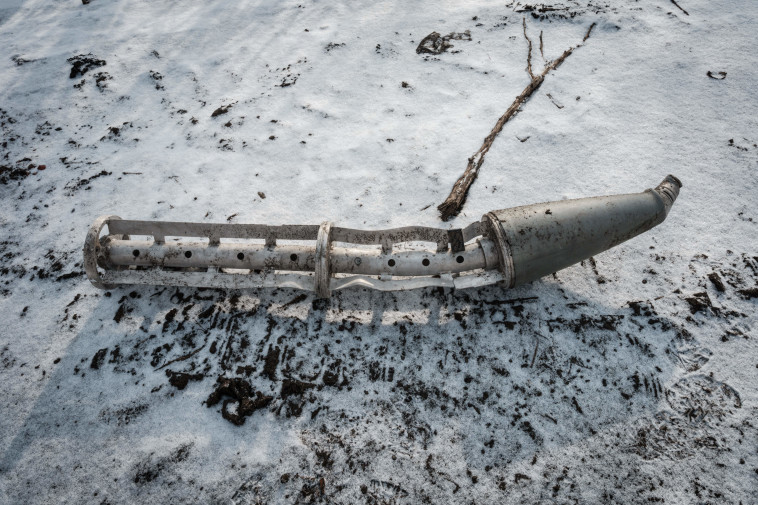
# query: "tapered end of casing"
537,240
669,190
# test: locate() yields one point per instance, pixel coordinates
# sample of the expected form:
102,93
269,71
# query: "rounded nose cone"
537,240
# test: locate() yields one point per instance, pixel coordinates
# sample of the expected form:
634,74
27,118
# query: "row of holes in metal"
293,257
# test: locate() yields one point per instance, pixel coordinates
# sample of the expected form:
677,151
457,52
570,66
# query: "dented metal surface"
509,246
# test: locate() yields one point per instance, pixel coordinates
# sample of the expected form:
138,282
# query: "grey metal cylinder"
508,247
537,240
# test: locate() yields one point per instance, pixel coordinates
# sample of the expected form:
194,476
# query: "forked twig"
457,197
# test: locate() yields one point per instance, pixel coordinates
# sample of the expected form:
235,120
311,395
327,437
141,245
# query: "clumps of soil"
741,148
180,379
98,359
101,80
120,313
715,278
114,132
294,387
83,63
289,80
607,322
434,43
157,78
240,391
332,45
272,360
221,110
700,302
291,77
73,186
8,174
19,170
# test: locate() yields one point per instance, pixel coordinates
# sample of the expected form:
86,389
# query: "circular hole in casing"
135,253
425,262
293,257
240,256
459,259
188,254
391,263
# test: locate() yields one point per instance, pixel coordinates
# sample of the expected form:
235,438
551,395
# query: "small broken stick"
457,197
680,7
554,102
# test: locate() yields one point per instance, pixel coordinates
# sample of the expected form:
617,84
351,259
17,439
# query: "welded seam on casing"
497,234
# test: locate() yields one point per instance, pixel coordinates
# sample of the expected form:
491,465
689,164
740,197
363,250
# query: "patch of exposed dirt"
239,391
434,43
180,380
83,63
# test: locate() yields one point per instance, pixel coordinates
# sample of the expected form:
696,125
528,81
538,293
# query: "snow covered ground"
627,379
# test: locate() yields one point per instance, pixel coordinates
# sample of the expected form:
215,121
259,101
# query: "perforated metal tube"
146,253
511,246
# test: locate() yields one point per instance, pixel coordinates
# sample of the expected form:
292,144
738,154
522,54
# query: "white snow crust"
630,378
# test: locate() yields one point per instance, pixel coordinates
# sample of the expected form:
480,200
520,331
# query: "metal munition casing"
510,246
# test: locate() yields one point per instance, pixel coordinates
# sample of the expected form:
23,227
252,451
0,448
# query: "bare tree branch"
589,30
457,197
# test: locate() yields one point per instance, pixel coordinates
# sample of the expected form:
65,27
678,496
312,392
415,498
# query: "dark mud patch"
9,174
434,43
239,391
180,379
715,279
272,360
221,110
701,302
120,313
294,387
83,63
98,359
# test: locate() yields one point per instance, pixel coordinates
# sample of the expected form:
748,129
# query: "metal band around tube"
505,256
323,246
92,251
